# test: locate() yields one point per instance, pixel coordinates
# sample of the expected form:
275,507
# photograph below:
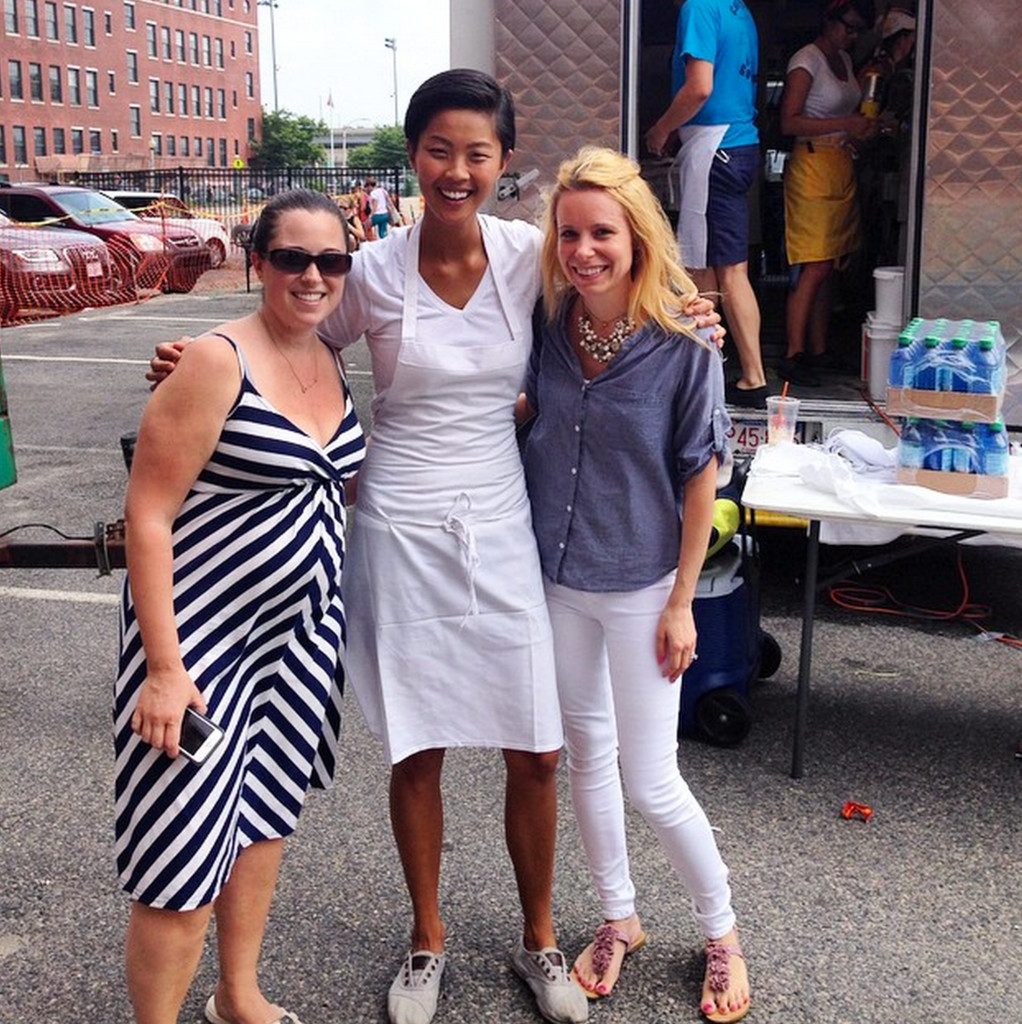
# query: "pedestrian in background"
714,69
379,206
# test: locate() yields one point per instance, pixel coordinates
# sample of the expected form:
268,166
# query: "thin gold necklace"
290,365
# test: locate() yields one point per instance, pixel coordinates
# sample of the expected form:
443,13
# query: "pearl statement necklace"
603,349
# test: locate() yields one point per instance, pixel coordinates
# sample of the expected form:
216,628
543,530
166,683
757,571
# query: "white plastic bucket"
889,284
879,340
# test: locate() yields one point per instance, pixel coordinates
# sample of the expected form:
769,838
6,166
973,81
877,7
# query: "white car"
172,210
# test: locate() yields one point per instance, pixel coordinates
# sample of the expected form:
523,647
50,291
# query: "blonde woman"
630,429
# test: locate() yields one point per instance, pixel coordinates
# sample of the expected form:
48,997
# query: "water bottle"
987,369
910,445
955,370
995,450
964,450
925,376
901,371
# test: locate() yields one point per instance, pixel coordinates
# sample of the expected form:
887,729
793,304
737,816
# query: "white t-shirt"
378,200
828,96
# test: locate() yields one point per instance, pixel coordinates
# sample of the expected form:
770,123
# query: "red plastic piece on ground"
852,809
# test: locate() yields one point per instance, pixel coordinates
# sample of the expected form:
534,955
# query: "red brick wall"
113,111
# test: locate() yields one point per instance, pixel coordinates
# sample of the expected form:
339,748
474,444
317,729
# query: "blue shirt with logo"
722,32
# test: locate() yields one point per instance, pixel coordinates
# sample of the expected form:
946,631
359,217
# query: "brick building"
111,85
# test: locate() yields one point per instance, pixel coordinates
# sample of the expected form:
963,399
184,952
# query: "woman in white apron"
449,640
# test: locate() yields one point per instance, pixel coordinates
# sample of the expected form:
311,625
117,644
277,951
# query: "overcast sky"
336,47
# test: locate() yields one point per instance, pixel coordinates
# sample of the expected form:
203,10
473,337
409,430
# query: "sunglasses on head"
296,261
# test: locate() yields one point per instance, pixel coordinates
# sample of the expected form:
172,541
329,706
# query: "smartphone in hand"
199,736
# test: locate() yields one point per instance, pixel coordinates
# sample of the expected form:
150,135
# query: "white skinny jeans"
616,704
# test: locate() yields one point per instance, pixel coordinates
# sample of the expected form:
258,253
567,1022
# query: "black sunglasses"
296,261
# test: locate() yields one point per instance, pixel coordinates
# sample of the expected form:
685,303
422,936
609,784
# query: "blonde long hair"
660,287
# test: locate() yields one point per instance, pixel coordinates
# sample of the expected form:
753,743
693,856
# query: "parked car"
45,270
169,209
145,253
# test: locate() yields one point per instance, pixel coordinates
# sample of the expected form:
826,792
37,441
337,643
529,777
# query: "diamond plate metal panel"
562,61
971,262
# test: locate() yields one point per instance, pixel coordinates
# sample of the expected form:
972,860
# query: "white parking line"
64,449
73,596
73,359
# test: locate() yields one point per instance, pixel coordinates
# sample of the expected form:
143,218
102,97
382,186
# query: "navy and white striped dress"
258,551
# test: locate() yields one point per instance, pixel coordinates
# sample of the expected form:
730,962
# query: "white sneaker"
414,992
559,997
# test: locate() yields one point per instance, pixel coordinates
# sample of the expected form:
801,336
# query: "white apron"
449,640
699,145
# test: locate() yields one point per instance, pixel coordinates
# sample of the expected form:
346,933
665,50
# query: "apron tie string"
456,524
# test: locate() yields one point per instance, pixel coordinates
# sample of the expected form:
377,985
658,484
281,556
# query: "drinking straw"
784,390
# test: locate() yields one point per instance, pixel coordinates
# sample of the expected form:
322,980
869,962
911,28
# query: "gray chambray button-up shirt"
607,459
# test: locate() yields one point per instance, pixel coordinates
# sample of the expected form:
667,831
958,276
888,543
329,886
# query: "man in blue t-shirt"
714,68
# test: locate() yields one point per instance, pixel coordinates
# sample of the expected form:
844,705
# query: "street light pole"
391,43
273,46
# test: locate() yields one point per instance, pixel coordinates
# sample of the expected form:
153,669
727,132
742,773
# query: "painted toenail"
708,1007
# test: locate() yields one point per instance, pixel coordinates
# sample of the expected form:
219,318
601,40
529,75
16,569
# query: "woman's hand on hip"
162,364
675,640
161,705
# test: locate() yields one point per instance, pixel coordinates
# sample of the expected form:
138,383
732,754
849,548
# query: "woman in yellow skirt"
821,215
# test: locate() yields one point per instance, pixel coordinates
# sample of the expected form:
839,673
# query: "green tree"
386,149
288,141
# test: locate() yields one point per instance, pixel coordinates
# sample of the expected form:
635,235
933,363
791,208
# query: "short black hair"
461,89
294,199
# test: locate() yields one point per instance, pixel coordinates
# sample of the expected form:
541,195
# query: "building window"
111,82
88,27
59,144
14,82
32,18
171,146
56,84
77,140
156,143
193,47
221,104
210,153
168,53
219,50
184,145
92,88
108,23
154,95
129,17
11,17
39,141
95,141
223,152
179,43
3,146
251,129
74,87
237,147
135,121
132,67
18,143
234,51
182,99
168,97
50,20
198,146
209,101
150,38
249,85
248,42
35,81
207,51
234,98
115,143
196,101
70,24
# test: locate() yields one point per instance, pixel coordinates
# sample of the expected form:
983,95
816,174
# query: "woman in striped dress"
233,606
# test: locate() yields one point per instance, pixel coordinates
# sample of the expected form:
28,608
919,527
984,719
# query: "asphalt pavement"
914,916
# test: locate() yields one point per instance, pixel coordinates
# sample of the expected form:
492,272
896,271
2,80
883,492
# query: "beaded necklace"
603,349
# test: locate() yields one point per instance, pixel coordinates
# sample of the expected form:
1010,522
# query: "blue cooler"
733,650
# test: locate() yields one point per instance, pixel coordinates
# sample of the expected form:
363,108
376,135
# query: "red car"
43,271
145,253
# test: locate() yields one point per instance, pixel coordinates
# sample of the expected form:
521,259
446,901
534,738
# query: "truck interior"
882,176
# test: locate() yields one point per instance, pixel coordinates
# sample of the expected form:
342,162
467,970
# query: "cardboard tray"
968,485
944,405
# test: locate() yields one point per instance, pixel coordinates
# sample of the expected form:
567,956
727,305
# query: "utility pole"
273,47
391,43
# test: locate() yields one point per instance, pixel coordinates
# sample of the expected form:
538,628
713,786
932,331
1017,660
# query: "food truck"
599,72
